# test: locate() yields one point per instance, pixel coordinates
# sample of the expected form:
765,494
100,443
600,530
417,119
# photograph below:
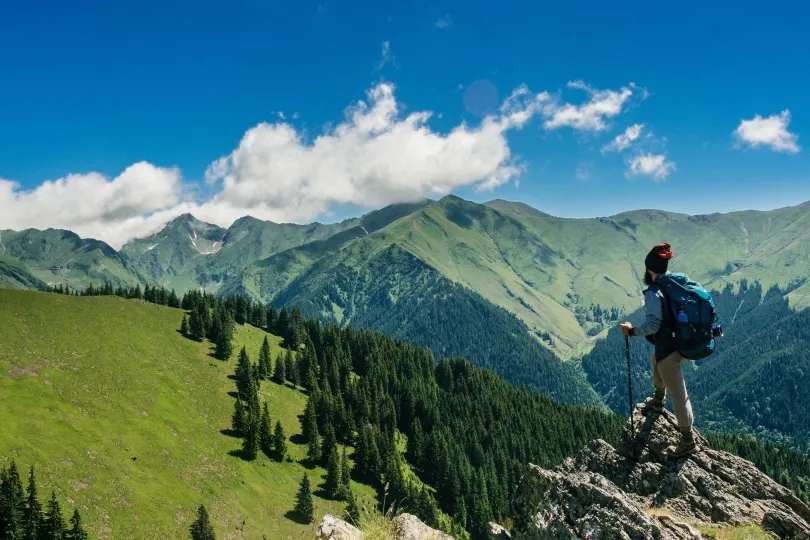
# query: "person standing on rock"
666,360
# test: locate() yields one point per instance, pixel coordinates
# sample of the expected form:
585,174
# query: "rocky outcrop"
409,527
406,527
332,528
635,491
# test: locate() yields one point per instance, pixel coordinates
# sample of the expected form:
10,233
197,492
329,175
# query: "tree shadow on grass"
238,453
298,439
292,515
231,433
233,394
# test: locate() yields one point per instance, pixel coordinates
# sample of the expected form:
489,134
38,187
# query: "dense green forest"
753,383
402,297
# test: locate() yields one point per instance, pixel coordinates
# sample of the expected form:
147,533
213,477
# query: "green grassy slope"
57,256
87,384
14,275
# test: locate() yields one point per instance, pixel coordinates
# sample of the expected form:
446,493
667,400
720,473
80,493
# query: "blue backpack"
692,315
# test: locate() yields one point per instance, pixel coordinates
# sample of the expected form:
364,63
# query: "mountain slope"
14,275
396,293
57,256
266,278
127,428
188,253
168,257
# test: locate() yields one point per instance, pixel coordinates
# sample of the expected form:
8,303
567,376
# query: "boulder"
636,491
332,528
410,527
407,527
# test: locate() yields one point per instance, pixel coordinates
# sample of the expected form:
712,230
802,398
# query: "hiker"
665,359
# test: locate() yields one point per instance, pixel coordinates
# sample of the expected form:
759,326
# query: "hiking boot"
653,404
686,447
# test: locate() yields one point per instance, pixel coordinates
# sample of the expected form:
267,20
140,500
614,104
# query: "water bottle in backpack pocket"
692,313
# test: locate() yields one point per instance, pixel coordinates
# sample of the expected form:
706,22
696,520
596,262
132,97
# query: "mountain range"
566,279
511,288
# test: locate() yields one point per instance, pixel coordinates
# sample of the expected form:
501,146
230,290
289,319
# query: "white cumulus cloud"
771,132
374,156
591,115
623,141
655,166
93,205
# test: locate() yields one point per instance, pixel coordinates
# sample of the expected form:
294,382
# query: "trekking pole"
629,385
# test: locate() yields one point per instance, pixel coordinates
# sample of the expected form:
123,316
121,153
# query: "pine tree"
314,448
242,373
283,325
224,335
332,481
76,531
53,526
250,444
309,421
240,314
264,359
173,301
352,510
12,502
279,375
32,516
195,325
272,320
345,476
329,444
184,326
265,432
224,345
303,501
238,422
289,367
279,442
202,529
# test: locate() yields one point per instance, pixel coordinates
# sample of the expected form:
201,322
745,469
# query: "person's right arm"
653,317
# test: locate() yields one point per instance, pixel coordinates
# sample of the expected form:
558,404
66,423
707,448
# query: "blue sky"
90,89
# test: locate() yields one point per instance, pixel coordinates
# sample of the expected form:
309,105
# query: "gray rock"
332,528
498,532
410,527
407,526
607,492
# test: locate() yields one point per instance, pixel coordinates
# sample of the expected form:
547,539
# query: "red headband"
664,251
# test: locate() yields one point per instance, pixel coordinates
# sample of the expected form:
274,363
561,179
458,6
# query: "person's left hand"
626,327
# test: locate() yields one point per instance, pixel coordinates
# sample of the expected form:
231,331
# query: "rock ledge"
635,491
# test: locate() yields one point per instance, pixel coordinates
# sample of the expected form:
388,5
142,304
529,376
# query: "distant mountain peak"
514,207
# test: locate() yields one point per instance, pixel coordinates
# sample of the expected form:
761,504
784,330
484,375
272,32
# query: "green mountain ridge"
56,256
567,280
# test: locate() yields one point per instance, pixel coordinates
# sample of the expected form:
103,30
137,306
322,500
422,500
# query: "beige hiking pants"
667,376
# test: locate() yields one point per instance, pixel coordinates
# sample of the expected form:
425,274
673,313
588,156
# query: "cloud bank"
770,132
373,157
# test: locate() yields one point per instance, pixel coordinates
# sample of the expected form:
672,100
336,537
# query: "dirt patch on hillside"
20,372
